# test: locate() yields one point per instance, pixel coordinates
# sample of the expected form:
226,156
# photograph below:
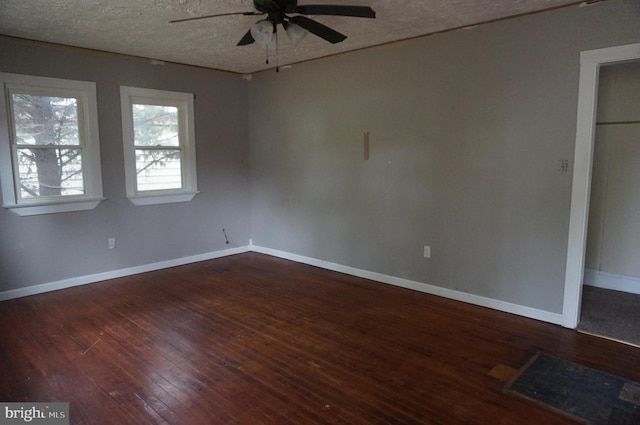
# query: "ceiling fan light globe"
263,33
295,33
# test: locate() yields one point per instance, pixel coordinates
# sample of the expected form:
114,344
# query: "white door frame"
590,63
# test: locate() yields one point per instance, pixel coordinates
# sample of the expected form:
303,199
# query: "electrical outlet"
427,252
111,243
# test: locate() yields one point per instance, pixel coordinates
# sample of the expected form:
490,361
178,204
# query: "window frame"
186,122
89,144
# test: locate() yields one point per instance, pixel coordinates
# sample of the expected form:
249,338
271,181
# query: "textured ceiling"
142,28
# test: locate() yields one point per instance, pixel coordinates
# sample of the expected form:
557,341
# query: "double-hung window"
159,145
49,146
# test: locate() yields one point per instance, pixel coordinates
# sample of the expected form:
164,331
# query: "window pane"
44,120
155,125
158,169
50,172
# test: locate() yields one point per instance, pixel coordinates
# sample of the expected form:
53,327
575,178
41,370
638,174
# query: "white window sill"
162,199
54,208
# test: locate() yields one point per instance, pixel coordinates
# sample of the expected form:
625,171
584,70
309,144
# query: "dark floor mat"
587,395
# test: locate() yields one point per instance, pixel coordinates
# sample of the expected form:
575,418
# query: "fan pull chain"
277,62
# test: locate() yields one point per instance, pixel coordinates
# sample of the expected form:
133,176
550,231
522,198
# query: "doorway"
611,286
590,63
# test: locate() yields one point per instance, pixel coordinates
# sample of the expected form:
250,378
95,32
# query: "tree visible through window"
159,145
48,146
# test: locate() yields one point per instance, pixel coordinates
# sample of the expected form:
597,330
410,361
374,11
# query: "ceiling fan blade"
247,39
321,30
215,16
336,10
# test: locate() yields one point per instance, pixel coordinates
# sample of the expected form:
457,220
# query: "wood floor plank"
253,339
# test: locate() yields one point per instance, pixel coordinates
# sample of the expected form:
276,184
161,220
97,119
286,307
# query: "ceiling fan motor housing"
268,6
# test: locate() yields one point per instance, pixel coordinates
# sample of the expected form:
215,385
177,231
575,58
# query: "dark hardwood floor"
253,339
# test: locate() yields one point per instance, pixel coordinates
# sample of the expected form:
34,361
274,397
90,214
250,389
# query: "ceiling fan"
278,13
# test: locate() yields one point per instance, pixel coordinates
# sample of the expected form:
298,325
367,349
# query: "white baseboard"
612,281
507,307
83,280
520,310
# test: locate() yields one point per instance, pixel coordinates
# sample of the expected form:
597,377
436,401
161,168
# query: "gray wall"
467,130
613,244
48,248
